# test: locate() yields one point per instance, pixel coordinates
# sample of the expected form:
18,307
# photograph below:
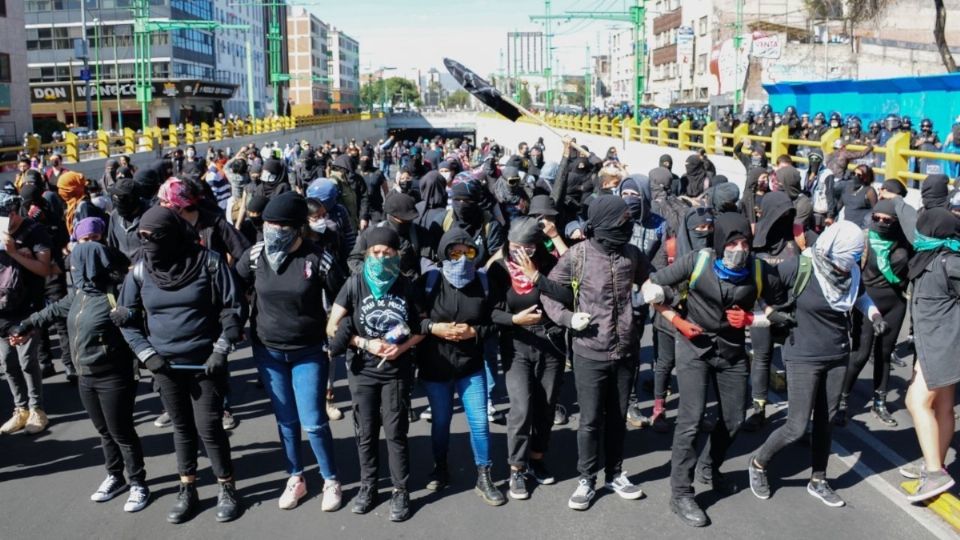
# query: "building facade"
344,70
15,119
231,54
308,58
183,64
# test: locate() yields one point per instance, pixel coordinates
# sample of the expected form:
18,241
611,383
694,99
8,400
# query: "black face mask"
635,205
405,186
160,250
700,239
127,206
885,230
257,222
612,239
467,211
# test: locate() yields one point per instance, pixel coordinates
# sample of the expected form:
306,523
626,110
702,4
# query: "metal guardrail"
104,145
895,156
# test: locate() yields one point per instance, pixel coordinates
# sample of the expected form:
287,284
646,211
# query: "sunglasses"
457,254
884,219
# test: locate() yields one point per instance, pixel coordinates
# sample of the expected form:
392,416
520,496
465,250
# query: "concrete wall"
639,158
338,133
19,120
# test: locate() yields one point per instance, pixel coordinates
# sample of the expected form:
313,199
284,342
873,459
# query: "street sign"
85,75
685,37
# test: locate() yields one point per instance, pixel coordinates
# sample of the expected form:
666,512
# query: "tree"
398,90
939,36
525,98
458,100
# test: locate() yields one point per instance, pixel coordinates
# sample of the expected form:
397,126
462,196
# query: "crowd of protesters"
438,266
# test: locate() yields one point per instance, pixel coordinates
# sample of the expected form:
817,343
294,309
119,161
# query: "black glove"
233,333
120,316
22,329
880,326
782,319
156,364
216,364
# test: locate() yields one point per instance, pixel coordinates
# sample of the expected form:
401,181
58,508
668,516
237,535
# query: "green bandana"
922,242
881,247
380,273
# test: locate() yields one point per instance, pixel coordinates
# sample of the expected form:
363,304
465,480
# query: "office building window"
3,8
4,67
701,63
703,25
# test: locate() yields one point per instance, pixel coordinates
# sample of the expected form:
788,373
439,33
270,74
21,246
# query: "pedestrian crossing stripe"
945,505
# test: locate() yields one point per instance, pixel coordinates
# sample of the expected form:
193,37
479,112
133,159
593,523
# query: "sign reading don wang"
61,92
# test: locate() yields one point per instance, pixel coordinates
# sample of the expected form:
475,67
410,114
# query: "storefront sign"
60,92
766,46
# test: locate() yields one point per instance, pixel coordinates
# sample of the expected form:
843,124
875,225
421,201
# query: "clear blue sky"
417,34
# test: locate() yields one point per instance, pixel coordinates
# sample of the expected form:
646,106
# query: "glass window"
3,8
703,25
4,67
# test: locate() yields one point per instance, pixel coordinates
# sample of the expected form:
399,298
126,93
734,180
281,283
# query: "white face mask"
446,175
191,154
319,226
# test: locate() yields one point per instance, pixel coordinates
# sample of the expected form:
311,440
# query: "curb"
945,505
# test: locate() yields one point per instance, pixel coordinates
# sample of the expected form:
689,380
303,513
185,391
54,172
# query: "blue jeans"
473,395
297,382
491,350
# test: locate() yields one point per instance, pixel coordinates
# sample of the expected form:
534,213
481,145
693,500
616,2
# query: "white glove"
760,320
652,293
579,321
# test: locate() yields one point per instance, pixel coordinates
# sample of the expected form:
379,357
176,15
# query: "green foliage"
460,98
398,90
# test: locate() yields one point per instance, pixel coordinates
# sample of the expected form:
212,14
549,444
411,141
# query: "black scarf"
935,223
172,256
775,226
609,223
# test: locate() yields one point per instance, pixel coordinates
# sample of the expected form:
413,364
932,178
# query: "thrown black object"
482,90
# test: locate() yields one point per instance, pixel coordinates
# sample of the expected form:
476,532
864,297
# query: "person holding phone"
531,349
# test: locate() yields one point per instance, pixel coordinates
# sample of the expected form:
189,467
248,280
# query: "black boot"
186,505
486,490
228,502
439,478
840,419
879,409
400,505
757,418
365,500
689,511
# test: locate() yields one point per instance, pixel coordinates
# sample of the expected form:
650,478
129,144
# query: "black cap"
400,206
123,187
542,205
257,204
383,236
288,208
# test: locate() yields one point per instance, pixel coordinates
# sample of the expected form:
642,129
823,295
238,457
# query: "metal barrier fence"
104,145
895,156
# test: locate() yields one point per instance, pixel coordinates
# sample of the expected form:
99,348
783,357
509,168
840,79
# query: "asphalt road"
46,480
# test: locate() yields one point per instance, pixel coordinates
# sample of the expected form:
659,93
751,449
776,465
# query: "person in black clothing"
432,208
458,321
815,367
376,187
382,325
290,276
531,349
468,215
756,159
125,218
105,363
252,225
886,259
185,198
755,188
773,242
400,214
720,303
186,295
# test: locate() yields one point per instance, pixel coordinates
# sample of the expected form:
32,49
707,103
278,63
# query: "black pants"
56,289
603,390
894,308
729,379
195,404
761,339
533,371
385,402
812,386
109,399
666,360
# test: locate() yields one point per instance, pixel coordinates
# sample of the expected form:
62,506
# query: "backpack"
703,260
804,271
322,262
433,277
12,288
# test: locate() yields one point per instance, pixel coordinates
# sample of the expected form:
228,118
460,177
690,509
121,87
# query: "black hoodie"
773,240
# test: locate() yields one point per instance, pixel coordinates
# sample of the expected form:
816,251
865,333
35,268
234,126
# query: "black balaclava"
729,227
789,179
172,255
609,223
696,174
666,161
935,223
125,199
697,217
433,190
888,231
775,226
466,204
934,192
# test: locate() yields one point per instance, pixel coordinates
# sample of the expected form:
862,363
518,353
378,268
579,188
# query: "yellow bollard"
173,136
71,147
739,133
645,127
896,162
103,144
157,134
217,130
33,145
190,134
605,126
778,147
662,135
826,140
710,137
204,132
683,137
129,141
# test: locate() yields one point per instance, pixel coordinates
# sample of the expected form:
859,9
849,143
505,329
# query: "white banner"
766,46
685,37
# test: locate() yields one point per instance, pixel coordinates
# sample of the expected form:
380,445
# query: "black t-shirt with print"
373,318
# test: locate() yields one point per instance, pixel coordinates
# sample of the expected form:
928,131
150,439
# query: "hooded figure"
773,239
510,193
353,190
934,192
608,223
649,229
723,197
433,205
72,189
731,264
273,179
696,230
836,264
753,194
171,252
469,215
696,180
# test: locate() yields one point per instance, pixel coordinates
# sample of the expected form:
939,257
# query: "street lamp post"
116,77
383,88
86,63
96,38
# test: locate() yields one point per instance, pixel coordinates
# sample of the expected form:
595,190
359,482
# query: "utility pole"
636,16
548,66
116,77
97,24
737,44
587,83
86,62
251,108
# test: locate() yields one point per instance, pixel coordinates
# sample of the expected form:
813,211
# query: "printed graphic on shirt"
384,318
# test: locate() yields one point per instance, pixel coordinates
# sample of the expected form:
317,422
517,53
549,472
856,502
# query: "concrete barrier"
639,157
338,133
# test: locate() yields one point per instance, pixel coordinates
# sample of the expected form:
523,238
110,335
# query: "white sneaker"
163,420
332,496
296,489
333,413
491,412
580,500
109,488
427,414
36,422
137,500
622,486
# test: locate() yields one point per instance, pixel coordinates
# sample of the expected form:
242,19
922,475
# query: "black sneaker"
228,502
186,505
758,480
518,485
716,480
48,371
439,478
365,500
756,417
399,505
822,490
560,416
538,470
689,511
